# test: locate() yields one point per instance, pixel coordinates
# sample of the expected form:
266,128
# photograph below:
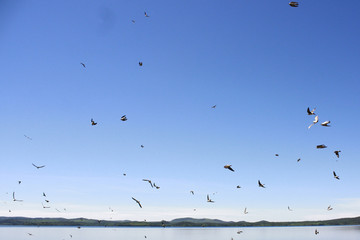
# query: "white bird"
316,120
325,124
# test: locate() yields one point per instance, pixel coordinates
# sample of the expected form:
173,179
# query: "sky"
262,63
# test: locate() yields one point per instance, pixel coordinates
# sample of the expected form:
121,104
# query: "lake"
112,233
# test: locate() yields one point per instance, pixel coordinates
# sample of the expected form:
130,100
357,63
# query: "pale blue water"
261,233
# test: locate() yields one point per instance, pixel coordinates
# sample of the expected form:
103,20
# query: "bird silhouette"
146,15
335,176
293,4
321,146
260,184
137,201
93,123
123,118
311,112
38,166
329,208
16,200
337,153
147,180
140,64
229,167
83,65
208,199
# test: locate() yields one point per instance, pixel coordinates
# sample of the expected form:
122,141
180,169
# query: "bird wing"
230,168
34,165
334,174
208,198
308,111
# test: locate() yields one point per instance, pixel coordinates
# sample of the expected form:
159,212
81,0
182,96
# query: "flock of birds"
229,167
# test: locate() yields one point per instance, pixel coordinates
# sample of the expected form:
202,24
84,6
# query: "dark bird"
30,234
133,21
19,182
123,118
335,176
38,166
276,155
16,200
47,201
137,201
44,194
93,123
316,232
147,180
142,146
245,212
146,15
140,64
209,200
213,106
325,124
289,208
192,192
260,184
157,187
337,153
27,137
44,206
229,167
294,4
83,65
238,186
124,174
329,208
311,112
321,146
238,232
299,160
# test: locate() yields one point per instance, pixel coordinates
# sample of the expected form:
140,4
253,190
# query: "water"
252,233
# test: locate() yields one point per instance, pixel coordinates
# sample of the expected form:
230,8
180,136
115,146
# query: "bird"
209,200
337,153
238,186
19,182
289,208
83,65
316,232
238,232
147,180
276,155
27,137
146,15
192,192
311,112
245,212
325,124
229,167
30,234
299,160
260,184
123,118
124,174
321,146
47,200
93,123
140,64
329,208
57,210
314,122
293,4
44,194
44,206
335,176
142,146
16,200
38,166
213,106
133,21
137,201
157,187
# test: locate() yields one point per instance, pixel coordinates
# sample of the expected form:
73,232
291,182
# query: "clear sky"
262,63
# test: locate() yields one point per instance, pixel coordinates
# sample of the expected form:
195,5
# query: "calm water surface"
261,233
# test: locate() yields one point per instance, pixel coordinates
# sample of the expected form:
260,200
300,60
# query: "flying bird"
140,64
213,106
260,184
16,200
238,232
209,200
316,232
238,186
314,122
137,201
19,182
157,187
38,166
44,194
229,167
133,21
321,146
325,124
335,176
293,4
44,206
142,146
27,137
329,208
83,65
245,212
289,208
146,15
93,123
311,112
123,118
337,153
276,155
299,160
147,180
192,192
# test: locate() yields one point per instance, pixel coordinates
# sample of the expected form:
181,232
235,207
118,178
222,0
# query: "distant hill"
179,222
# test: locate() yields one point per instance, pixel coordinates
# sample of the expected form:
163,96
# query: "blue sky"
261,62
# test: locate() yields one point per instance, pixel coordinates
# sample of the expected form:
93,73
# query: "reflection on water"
251,233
